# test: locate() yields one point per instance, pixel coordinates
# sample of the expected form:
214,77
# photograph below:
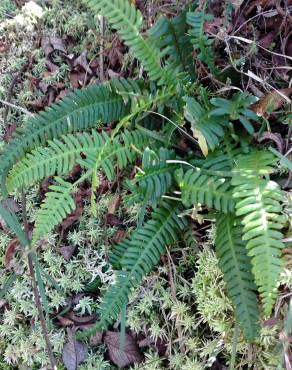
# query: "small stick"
35,288
23,110
173,293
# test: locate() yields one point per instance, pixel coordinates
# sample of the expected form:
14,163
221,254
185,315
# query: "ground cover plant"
181,156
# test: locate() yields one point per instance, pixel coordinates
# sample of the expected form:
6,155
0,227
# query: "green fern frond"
197,187
57,205
236,267
203,125
154,179
170,36
59,156
142,252
127,20
258,203
202,43
78,111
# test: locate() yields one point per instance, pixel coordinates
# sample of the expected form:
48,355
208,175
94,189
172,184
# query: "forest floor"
180,318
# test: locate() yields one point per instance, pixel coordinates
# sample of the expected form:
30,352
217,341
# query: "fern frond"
78,111
59,156
197,187
57,205
155,177
127,20
206,128
142,252
170,36
258,203
202,43
236,267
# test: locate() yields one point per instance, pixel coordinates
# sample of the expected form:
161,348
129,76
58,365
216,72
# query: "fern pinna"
218,170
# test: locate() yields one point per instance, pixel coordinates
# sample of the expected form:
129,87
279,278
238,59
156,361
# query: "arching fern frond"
258,203
197,187
127,20
236,267
78,111
202,43
59,156
170,36
154,178
142,253
57,205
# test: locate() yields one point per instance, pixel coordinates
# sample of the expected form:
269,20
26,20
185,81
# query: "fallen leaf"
119,236
52,43
270,102
10,252
113,220
81,320
67,252
122,358
73,354
82,62
275,137
114,204
64,321
96,339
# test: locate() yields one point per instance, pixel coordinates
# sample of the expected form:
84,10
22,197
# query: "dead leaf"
52,43
122,358
74,353
64,321
82,62
67,252
113,220
96,339
201,141
270,102
119,236
114,204
81,320
275,137
10,252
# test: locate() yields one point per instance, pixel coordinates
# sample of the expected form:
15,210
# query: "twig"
35,288
10,93
23,110
173,294
101,47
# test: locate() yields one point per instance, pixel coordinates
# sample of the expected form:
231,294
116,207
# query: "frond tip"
236,267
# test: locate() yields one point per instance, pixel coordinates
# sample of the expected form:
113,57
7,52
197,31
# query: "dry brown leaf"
74,353
10,252
114,204
96,339
67,252
270,102
122,358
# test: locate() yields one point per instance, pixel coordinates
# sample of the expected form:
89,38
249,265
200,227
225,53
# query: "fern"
258,203
202,43
154,179
197,187
142,252
170,36
127,20
236,266
207,129
57,205
78,111
60,156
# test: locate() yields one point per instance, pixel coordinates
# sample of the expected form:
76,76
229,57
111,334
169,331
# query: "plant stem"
35,288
